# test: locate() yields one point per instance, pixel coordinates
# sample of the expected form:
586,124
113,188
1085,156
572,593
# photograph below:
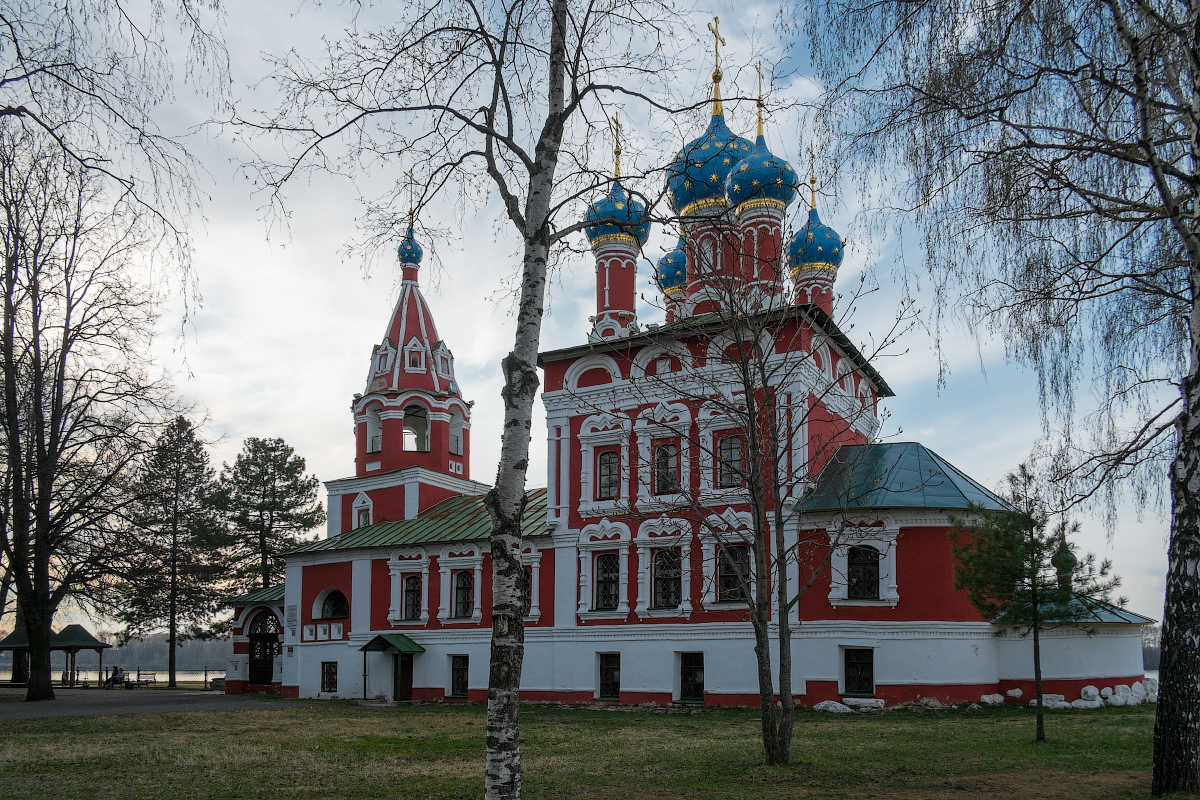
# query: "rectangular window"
364,517
862,566
860,672
608,582
458,675
528,593
607,476
691,677
666,468
329,676
733,573
412,597
464,594
668,578
610,676
731,464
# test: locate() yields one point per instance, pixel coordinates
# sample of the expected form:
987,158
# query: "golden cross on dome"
411,184
758,67
617,143
714,28
813,183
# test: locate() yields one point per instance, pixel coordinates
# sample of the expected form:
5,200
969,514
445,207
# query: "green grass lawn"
339,750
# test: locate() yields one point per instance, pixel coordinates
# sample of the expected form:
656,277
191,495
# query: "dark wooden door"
404,677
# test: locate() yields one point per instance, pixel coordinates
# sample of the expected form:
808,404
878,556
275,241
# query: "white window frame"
884,537
469,557
601,430
598,538
712,420
663,421
403,563
363,501
732,528
664,533
415,346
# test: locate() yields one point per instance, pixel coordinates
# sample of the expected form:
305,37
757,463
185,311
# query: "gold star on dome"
820,249
699,164
745,147
704,146
788,167
737,187
745,167
714,178
620,206
779,181
687,184
725,161
766,163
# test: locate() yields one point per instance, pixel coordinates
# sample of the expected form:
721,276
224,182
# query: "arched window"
733,573
666,469
607,476
608,582
264,622
863,578
668,578
456,432
364,517
416,429
335,606
731,466
464,594
412,597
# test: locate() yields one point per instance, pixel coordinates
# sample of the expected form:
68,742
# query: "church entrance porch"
403,651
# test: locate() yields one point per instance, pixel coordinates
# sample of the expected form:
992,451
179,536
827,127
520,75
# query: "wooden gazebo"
70,640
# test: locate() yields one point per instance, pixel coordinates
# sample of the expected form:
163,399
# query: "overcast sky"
282,338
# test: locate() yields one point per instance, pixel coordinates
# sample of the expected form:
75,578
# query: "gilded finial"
411,184
758,67
813,182
715,29
617,144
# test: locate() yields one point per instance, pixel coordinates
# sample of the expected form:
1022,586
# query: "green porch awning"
386,641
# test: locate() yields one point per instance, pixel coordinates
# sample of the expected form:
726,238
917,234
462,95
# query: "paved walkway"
93,702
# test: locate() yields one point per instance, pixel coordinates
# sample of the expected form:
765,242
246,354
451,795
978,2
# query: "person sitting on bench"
117,678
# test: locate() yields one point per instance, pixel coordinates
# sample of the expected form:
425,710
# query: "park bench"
149,679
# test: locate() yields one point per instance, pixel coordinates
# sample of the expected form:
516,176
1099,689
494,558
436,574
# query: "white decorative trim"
363,501
386,480
414,346
605,535
729,527
599,430
594,361
532,558
664,533
471,558
663,421
884,538
408,561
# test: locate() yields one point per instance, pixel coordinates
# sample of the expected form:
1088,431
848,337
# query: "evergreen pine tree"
1025,577
174,574
268,502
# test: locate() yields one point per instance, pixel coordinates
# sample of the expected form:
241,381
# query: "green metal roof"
17,640
1085,611
271,594
459,519
386,641
894,475
707,324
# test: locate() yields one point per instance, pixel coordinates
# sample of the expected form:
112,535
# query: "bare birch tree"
481,100
80,406
1048,153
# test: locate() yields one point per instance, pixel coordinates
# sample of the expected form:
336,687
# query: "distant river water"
189,675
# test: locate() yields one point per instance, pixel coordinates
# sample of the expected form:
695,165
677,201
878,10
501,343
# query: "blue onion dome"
815,246
409,251
761,176
624,218
696,178
671,272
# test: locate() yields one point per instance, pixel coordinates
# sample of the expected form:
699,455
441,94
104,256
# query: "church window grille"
608,475
662,366
527,591
412,597
666,469
459,671
733,573
691,677
731,465
335,606
610,676
416,429
364,517
860,671
329,676
608,581
464,594
668,578
863,567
